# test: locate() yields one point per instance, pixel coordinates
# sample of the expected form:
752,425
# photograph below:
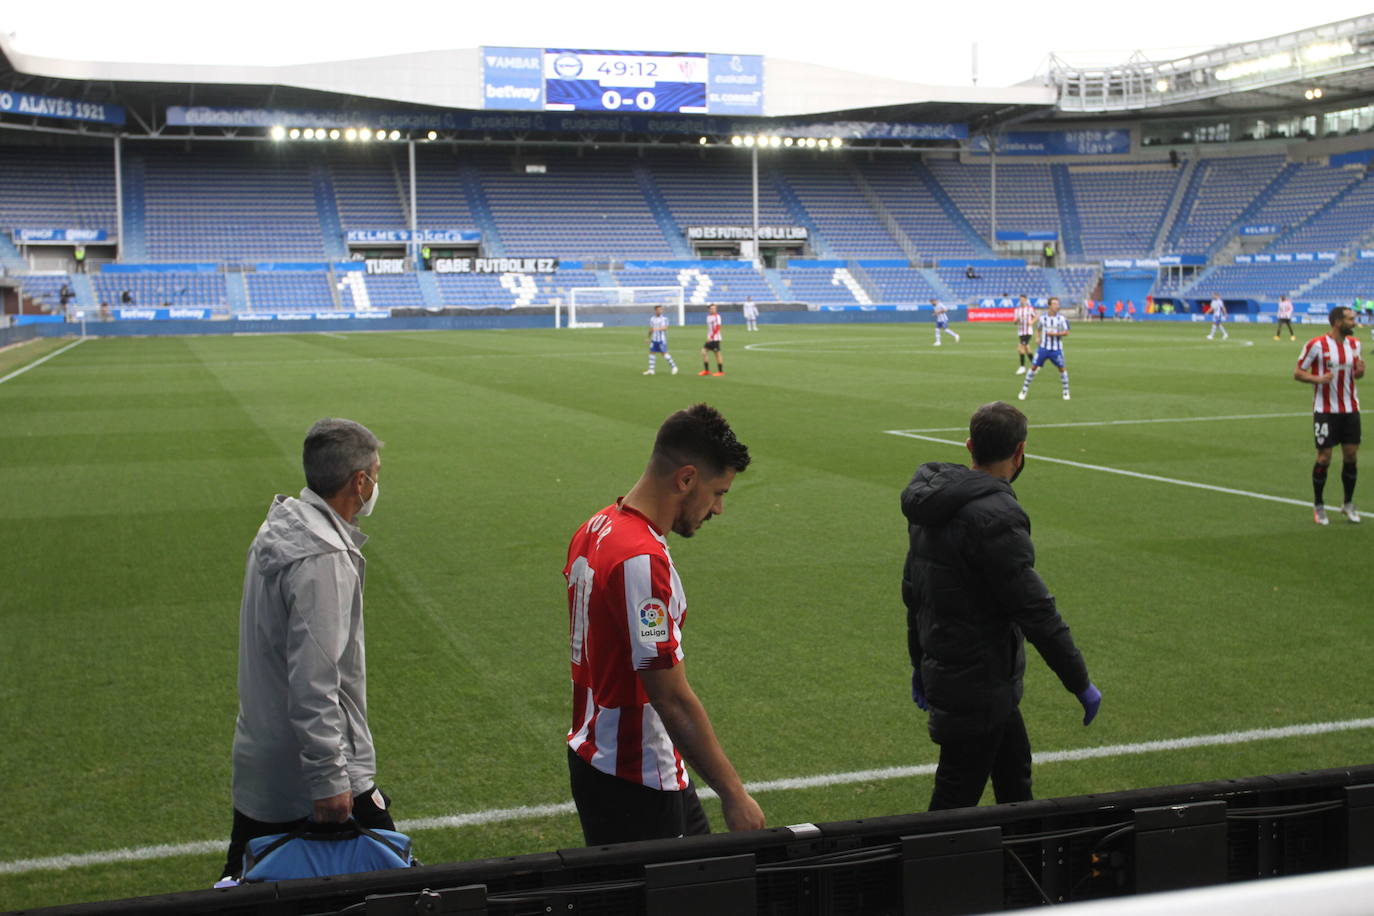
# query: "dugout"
1049,851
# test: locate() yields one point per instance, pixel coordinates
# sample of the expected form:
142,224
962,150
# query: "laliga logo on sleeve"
653,621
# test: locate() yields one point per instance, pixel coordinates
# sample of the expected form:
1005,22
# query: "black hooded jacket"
971,591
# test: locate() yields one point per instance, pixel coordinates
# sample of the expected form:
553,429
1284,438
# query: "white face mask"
371,501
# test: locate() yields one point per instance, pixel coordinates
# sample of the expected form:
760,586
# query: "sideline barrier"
1087,847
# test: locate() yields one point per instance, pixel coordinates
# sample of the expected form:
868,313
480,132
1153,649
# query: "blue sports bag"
316,851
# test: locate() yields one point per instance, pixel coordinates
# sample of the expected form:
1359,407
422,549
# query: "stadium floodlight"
836,143
749,141
431,136
775,142
788,141
702,141
277,132
1281,61
364,133
1325,50
1161,85
810,142
294,133
351,134
823,143
334,134
1313,94
736,141
308,133
395,135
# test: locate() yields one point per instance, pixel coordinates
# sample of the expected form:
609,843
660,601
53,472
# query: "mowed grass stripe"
525,812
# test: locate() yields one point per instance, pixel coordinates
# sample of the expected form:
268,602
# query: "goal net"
585,303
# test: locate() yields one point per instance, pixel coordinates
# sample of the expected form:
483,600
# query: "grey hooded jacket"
302,726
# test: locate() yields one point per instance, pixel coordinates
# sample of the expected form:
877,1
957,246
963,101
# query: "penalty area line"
38,362
1095,423
1138,475
528,812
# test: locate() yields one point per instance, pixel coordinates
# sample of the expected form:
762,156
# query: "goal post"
585,302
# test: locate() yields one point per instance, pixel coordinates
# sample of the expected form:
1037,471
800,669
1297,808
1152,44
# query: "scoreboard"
630,82
662,81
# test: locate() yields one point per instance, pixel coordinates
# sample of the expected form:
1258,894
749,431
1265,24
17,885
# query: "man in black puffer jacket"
973,597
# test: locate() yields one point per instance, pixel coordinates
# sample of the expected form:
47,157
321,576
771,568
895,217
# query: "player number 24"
1320,430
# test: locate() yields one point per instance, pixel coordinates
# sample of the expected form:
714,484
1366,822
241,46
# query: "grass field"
137,471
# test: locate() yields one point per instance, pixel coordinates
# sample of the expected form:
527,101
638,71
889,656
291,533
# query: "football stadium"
463,251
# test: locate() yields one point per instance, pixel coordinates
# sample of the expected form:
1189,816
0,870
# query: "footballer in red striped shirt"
1331,364
635,718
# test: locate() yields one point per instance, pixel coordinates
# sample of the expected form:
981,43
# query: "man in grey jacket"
302,747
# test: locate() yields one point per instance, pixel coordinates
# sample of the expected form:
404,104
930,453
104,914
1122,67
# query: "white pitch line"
1238,416
1136,474
38,362
527,812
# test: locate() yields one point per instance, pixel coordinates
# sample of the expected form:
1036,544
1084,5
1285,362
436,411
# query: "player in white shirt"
1024,317
712,344
1331,364
942,321
751,314
1218,313
1054,327
1285,318
658,340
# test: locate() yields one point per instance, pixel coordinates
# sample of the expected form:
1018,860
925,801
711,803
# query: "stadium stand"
288,291
1267,281
581,208
917,212
1220,191
1351,280
48,188
370,189
836,206
224,205
615,208
1120,208
1338,224
189,289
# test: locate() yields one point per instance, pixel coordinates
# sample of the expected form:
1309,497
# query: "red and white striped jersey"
1025,319
1324,354
626,609
712,326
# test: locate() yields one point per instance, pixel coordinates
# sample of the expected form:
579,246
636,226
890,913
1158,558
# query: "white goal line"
527,812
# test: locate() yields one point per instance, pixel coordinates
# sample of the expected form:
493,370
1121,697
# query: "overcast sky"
920,42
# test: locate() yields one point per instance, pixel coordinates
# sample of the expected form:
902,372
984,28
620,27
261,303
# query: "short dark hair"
995,430
1334,315
698,435
334,451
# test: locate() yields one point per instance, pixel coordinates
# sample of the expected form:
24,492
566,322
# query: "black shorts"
711,345
615,810
1330,429
1025,339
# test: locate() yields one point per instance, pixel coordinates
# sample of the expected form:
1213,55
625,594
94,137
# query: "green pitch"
137,471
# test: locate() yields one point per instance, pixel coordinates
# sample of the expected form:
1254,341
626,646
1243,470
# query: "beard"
684,527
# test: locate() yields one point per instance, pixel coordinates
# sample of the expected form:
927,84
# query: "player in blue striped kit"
1053,328
658,340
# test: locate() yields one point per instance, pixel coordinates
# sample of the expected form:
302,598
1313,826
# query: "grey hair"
334,450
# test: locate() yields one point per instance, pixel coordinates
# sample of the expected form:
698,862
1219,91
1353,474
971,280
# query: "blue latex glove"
1091,698
918,690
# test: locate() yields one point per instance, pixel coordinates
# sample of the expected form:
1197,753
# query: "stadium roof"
452,80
